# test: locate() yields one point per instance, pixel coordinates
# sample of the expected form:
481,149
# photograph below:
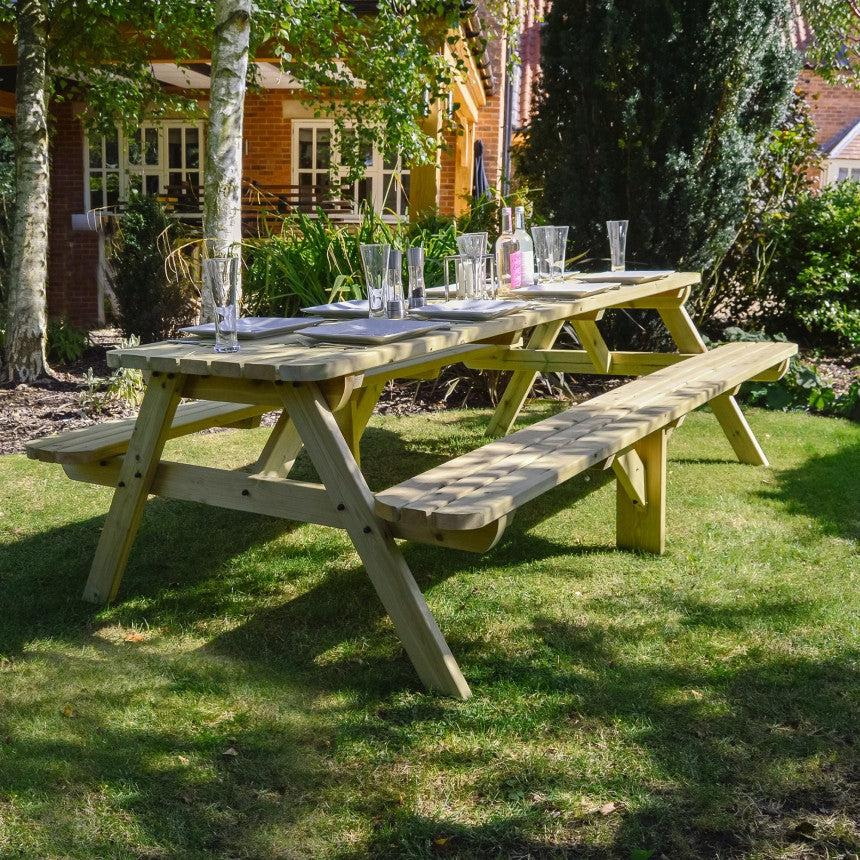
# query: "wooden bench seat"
491,482
103,441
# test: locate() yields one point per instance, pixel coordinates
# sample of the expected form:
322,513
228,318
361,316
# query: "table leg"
280,451
353,418
543,337
643,526
135,478
738,432
593,343
382,559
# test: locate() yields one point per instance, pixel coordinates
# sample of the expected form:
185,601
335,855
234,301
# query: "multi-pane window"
156,159
384,185
104,178
144,160
183,155
846,172
313,158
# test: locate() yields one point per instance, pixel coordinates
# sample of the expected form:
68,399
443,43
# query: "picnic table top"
292,358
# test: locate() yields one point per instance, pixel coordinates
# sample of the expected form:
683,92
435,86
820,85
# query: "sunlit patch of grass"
247,697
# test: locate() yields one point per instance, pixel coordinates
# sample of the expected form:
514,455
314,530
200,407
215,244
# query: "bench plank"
473,490
111,438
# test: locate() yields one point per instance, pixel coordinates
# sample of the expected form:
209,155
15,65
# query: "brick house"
835,110
285,146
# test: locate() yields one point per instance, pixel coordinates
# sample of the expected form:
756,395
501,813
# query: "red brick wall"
448,165
72,255
268,139
490,117
834,109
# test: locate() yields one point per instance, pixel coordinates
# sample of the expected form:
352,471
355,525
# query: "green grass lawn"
246,696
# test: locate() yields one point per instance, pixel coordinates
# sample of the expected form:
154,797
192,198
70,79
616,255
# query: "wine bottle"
508,257
527,252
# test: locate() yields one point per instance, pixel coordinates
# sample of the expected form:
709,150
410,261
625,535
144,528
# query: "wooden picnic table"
326,394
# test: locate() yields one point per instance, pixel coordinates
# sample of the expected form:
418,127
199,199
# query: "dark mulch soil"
55,405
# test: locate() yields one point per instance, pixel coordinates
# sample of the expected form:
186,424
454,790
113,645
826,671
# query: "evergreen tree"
657,111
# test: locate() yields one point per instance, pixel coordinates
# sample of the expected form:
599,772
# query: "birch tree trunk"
222,206
26,330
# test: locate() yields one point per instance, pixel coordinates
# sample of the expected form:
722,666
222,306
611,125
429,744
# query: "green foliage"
657,112
812,289
66,343
835,57
801,389
124,385
313,260
151,303
737,284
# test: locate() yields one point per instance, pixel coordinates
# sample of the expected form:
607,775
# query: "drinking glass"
556,250
221,277
374,261
539,237
467,275
472,244
617,231
415,261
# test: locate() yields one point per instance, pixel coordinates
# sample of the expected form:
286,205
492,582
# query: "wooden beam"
133,484
273,496
573,361
385,566
643,526
630,472
593,343
518,388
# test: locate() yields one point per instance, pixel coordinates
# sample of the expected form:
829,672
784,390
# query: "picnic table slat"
533,460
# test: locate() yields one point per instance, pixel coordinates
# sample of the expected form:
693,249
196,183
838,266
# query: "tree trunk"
222,208
26,331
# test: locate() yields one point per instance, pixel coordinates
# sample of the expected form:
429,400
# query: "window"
843,169
385,184
104,180
313,157
157,157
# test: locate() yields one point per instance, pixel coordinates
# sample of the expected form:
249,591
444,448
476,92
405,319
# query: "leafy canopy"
377,73
657,113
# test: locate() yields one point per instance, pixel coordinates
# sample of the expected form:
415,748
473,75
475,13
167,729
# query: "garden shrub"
657,112
314,259
812,288
66,343
152,303
788,168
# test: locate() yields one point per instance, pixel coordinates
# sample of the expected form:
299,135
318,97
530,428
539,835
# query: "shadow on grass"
727,744
731,749
827,489
165,773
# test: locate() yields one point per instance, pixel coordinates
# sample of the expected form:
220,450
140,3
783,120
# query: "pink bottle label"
516,269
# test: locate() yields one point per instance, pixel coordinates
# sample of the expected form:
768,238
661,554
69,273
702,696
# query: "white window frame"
126,170
377,173
851,165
